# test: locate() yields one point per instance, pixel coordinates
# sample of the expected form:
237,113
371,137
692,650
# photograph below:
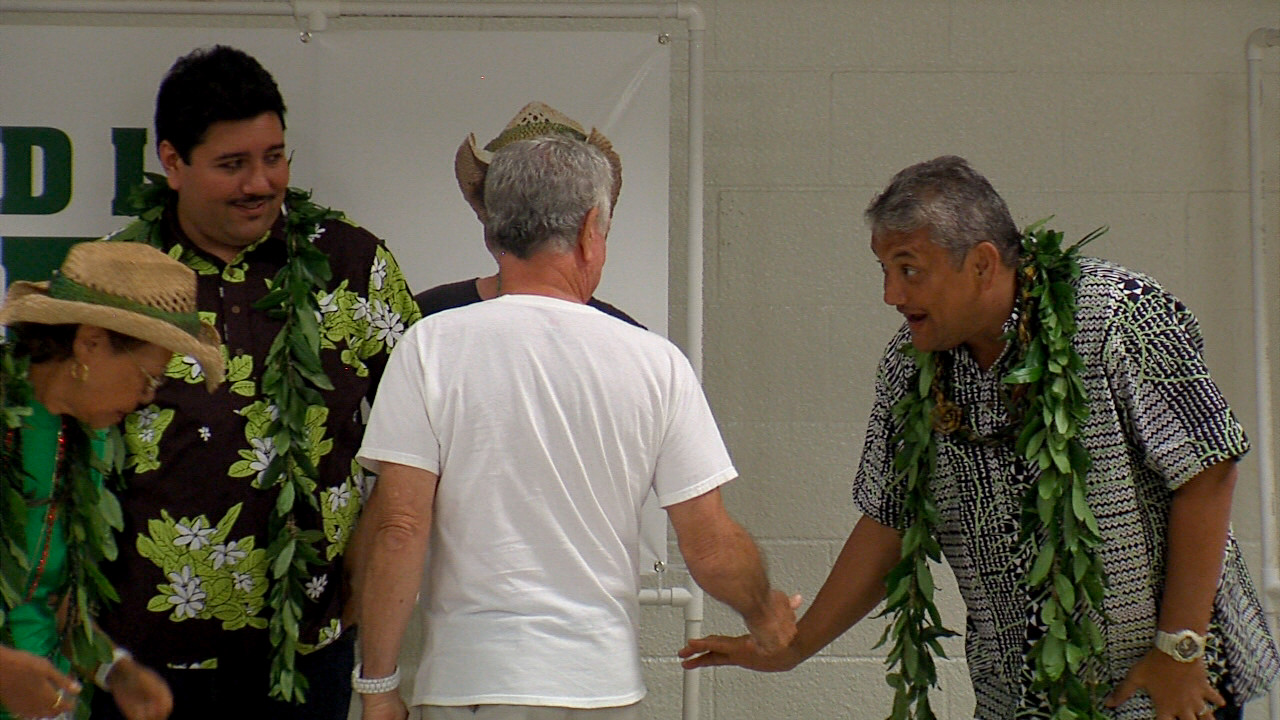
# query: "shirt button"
235,309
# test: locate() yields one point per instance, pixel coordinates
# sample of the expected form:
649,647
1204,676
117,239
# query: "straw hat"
534,120
131,288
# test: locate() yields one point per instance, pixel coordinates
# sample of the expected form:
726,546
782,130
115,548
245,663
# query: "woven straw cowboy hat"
127,287
534,120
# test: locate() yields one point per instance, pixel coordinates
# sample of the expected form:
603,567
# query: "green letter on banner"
19,150
130,144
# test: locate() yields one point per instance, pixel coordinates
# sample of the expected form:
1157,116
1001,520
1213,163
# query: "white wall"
1121,113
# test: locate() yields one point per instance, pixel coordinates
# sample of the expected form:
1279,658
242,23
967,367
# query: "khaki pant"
522,712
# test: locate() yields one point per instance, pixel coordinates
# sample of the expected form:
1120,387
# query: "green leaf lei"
1048,400
292,378
90,513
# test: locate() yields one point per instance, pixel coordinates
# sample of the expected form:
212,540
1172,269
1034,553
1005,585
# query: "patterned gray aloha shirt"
1156,420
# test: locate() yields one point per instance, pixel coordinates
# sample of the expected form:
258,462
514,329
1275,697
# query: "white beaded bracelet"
373,686
118,654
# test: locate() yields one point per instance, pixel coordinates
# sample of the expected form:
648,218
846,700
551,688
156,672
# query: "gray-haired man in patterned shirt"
1185,633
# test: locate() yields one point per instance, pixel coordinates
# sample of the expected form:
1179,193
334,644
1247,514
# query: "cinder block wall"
1124,114
1130,115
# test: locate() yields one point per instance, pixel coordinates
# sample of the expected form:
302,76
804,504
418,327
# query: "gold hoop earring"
80,371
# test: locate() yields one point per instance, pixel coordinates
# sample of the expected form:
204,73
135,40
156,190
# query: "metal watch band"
373,686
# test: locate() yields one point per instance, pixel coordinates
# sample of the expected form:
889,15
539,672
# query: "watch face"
1187,647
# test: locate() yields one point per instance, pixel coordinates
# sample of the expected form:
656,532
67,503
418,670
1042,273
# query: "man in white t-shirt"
518,438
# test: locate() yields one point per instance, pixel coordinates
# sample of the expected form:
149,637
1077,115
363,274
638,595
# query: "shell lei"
292,379
1058,528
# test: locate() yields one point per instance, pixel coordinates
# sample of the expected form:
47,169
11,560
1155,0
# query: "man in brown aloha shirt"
193,576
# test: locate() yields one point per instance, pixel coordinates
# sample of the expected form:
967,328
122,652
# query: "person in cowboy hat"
518,438
90,346
471,163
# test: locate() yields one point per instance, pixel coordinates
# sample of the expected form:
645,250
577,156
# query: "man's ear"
172,163
984,260
591,236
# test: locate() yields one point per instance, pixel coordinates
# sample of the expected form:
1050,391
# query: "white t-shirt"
548,422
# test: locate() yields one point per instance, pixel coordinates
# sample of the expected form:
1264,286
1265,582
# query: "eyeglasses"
153,382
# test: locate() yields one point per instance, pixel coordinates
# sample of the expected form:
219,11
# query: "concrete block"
767,128
796,486
818,689
1215,33
1006,124
766,34
1147,230
784,364
665,682
954,685
1219,253
797,248
1154,133
1048,36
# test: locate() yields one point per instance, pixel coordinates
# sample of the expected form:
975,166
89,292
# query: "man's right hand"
742,651
775,627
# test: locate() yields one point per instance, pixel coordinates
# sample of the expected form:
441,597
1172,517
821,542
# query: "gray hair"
537,193
952,200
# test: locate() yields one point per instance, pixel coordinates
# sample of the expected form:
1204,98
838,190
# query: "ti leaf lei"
90,513
292,378
1047,399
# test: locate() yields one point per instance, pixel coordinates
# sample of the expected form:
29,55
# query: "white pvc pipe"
692,629
693,321
1259,40
138,7
333,8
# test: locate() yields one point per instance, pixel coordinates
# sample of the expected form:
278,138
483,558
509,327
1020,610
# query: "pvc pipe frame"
318,13
1258,41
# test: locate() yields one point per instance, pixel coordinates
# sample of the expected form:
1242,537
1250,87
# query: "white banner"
374,118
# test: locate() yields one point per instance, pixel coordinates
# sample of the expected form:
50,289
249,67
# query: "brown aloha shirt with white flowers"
192,567
1156,420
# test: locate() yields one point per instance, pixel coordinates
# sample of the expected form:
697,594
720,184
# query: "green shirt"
33,624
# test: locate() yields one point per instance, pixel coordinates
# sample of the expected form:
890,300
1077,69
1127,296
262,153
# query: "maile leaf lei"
90,514
1066,577
292,379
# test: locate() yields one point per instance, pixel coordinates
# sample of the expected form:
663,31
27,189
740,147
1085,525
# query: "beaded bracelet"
118,654
373,686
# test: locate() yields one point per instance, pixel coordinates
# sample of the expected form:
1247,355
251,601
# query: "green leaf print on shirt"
239,372
186,367
340,507
327,634
210,577
262,448
142,432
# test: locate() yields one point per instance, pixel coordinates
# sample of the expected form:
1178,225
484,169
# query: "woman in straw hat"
90,346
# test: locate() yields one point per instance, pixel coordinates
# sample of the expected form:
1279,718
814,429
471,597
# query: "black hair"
210,85
44,343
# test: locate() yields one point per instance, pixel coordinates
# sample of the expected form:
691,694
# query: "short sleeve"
1175,414
877,492
692,459
399,429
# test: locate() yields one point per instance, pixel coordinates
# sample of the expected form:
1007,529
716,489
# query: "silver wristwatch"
1183,646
